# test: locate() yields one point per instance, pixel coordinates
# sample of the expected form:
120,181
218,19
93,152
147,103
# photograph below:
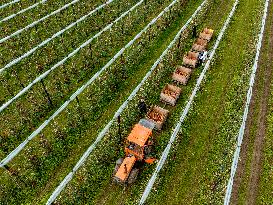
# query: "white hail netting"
186,110
38,79
122,107
22,11
72,97
13,62
249,96
80,90
9,3
36,22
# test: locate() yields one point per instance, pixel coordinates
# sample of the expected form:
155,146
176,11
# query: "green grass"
254,121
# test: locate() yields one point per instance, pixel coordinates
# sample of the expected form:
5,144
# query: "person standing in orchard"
194,30
142,107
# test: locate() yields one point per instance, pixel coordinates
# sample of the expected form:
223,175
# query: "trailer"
206,34
170,94
158,116
191,59
199,45
182,75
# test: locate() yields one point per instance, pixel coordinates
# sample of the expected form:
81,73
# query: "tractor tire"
148,150
133,176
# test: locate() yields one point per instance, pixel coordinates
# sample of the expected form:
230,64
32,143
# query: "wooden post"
47,94
77,99
179,40
119,130
90,48
80,109
36,29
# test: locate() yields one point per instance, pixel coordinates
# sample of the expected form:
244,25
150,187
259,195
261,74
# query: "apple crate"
170,94
158,116
191,59
200,45
181,75
206,34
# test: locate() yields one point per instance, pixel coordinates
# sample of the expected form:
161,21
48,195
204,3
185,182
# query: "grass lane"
265,187
255,123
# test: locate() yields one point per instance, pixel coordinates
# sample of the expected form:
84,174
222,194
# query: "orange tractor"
137,149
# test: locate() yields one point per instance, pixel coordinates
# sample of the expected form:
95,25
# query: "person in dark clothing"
142,107
194,31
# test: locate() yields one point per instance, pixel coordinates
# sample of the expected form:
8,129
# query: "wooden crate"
181,75
153,114
191,59
165,97
200,45
206,34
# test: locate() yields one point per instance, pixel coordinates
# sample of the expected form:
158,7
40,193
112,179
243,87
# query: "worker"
142,106
194,31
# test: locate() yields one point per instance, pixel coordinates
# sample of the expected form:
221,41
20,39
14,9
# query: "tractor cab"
137,148
139,140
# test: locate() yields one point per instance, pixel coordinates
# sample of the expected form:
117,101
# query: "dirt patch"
262,105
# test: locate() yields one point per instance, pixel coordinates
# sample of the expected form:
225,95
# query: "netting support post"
47,94
119,130
179,42
78,101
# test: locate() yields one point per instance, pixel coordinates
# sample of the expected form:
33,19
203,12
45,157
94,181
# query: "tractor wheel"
148,150
133,176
